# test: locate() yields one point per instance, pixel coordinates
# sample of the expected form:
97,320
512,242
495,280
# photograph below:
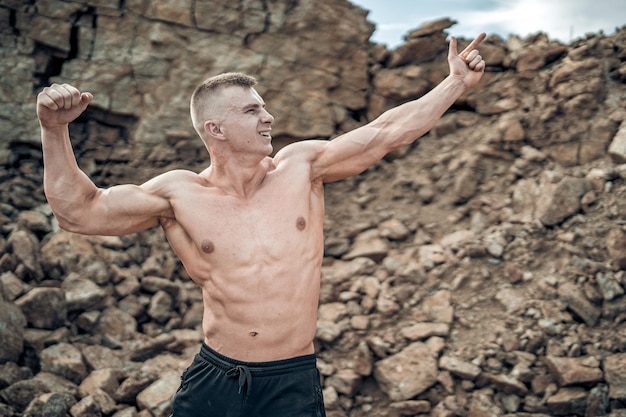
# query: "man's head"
205,100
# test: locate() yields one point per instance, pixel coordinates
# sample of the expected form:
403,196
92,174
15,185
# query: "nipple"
207,246
300,223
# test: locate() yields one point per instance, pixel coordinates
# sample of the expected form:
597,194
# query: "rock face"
479,272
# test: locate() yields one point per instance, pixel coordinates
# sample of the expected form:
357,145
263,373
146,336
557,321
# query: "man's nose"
267,117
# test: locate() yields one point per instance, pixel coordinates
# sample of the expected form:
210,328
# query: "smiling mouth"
265,134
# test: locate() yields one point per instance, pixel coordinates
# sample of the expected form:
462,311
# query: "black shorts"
217,386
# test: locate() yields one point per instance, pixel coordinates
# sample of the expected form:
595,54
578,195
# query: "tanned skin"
248,228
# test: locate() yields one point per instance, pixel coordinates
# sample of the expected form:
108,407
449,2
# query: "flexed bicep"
115,211
77,203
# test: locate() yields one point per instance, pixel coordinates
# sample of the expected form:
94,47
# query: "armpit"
166,220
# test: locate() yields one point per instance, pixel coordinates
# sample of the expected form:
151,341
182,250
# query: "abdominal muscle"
261,315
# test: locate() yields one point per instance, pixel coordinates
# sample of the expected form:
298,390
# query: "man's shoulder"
304,151
174,178
178,175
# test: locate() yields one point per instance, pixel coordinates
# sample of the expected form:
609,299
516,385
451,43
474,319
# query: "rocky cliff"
479,272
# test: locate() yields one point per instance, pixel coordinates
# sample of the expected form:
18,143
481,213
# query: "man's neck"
238,179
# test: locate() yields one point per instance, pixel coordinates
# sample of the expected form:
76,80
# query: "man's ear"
213,129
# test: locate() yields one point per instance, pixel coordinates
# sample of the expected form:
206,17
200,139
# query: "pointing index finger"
473,45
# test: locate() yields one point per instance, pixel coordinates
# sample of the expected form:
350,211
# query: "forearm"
406,123
67,188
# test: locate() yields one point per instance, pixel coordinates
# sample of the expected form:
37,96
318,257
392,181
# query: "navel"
253,334
300,223
207,246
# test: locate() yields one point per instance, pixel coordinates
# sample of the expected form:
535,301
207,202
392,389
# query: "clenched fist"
60,104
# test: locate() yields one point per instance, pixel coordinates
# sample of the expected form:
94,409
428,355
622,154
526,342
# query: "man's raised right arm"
77,203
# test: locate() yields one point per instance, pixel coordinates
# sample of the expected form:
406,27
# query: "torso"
257,260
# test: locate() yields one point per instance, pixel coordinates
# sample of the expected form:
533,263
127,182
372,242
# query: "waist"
269,368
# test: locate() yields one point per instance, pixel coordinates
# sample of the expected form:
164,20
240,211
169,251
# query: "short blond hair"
202,95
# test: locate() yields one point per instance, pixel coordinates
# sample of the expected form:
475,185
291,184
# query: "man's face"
246,124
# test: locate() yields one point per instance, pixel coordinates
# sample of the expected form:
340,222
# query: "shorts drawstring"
245,377
244,371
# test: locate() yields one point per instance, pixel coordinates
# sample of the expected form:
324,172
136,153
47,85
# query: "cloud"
563,20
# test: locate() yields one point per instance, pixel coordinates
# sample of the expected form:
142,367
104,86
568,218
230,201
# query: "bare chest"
276,223
255,226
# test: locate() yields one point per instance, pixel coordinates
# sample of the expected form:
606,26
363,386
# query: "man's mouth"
265,134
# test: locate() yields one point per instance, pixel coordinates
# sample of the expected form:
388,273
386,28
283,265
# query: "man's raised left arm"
354,151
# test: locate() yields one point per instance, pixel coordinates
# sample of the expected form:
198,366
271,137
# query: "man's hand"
58,105
467,65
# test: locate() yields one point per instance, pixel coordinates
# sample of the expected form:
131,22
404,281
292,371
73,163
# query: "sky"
561,20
